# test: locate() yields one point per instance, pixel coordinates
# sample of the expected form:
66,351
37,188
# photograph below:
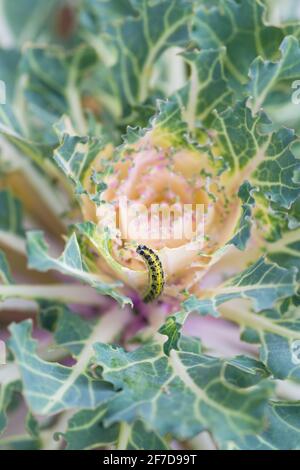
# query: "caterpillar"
155,273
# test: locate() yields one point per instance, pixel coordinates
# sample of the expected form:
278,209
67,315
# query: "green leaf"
96,12
53,86
22,150
129,45
193,105
75,155
44,294
282,431
267,76
101,241
252,152
32,425
139,437
172,329
14,127
51,387
29,19
286,250
20,442
70,330
51,79
185,392
11,222
87,431
264,283
5,274
279,337
280,349
7,392
207,88
70,263
31,158
9,61
11,128
242,230
240,27
11,214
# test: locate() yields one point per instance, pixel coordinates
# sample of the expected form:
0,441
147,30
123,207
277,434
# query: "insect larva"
155,272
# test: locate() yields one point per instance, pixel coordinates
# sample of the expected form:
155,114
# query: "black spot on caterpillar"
155,272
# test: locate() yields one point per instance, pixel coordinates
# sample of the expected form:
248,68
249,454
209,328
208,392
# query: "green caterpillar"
155,270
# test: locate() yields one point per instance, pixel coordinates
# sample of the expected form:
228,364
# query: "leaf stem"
123,437
258,322
67,293
73,97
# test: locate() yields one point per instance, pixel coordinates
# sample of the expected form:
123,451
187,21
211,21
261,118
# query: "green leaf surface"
9,63
279,337
193,105
8,390
264,283
128,45
252,151
20,442
14,129
12,233
101,241
241,28
185,392
51,387
286,250
282,430
69,263
207,88
53,86
172,329
267,76
70,330
75,155
87,431
11,214
242,230
5,274
29,19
